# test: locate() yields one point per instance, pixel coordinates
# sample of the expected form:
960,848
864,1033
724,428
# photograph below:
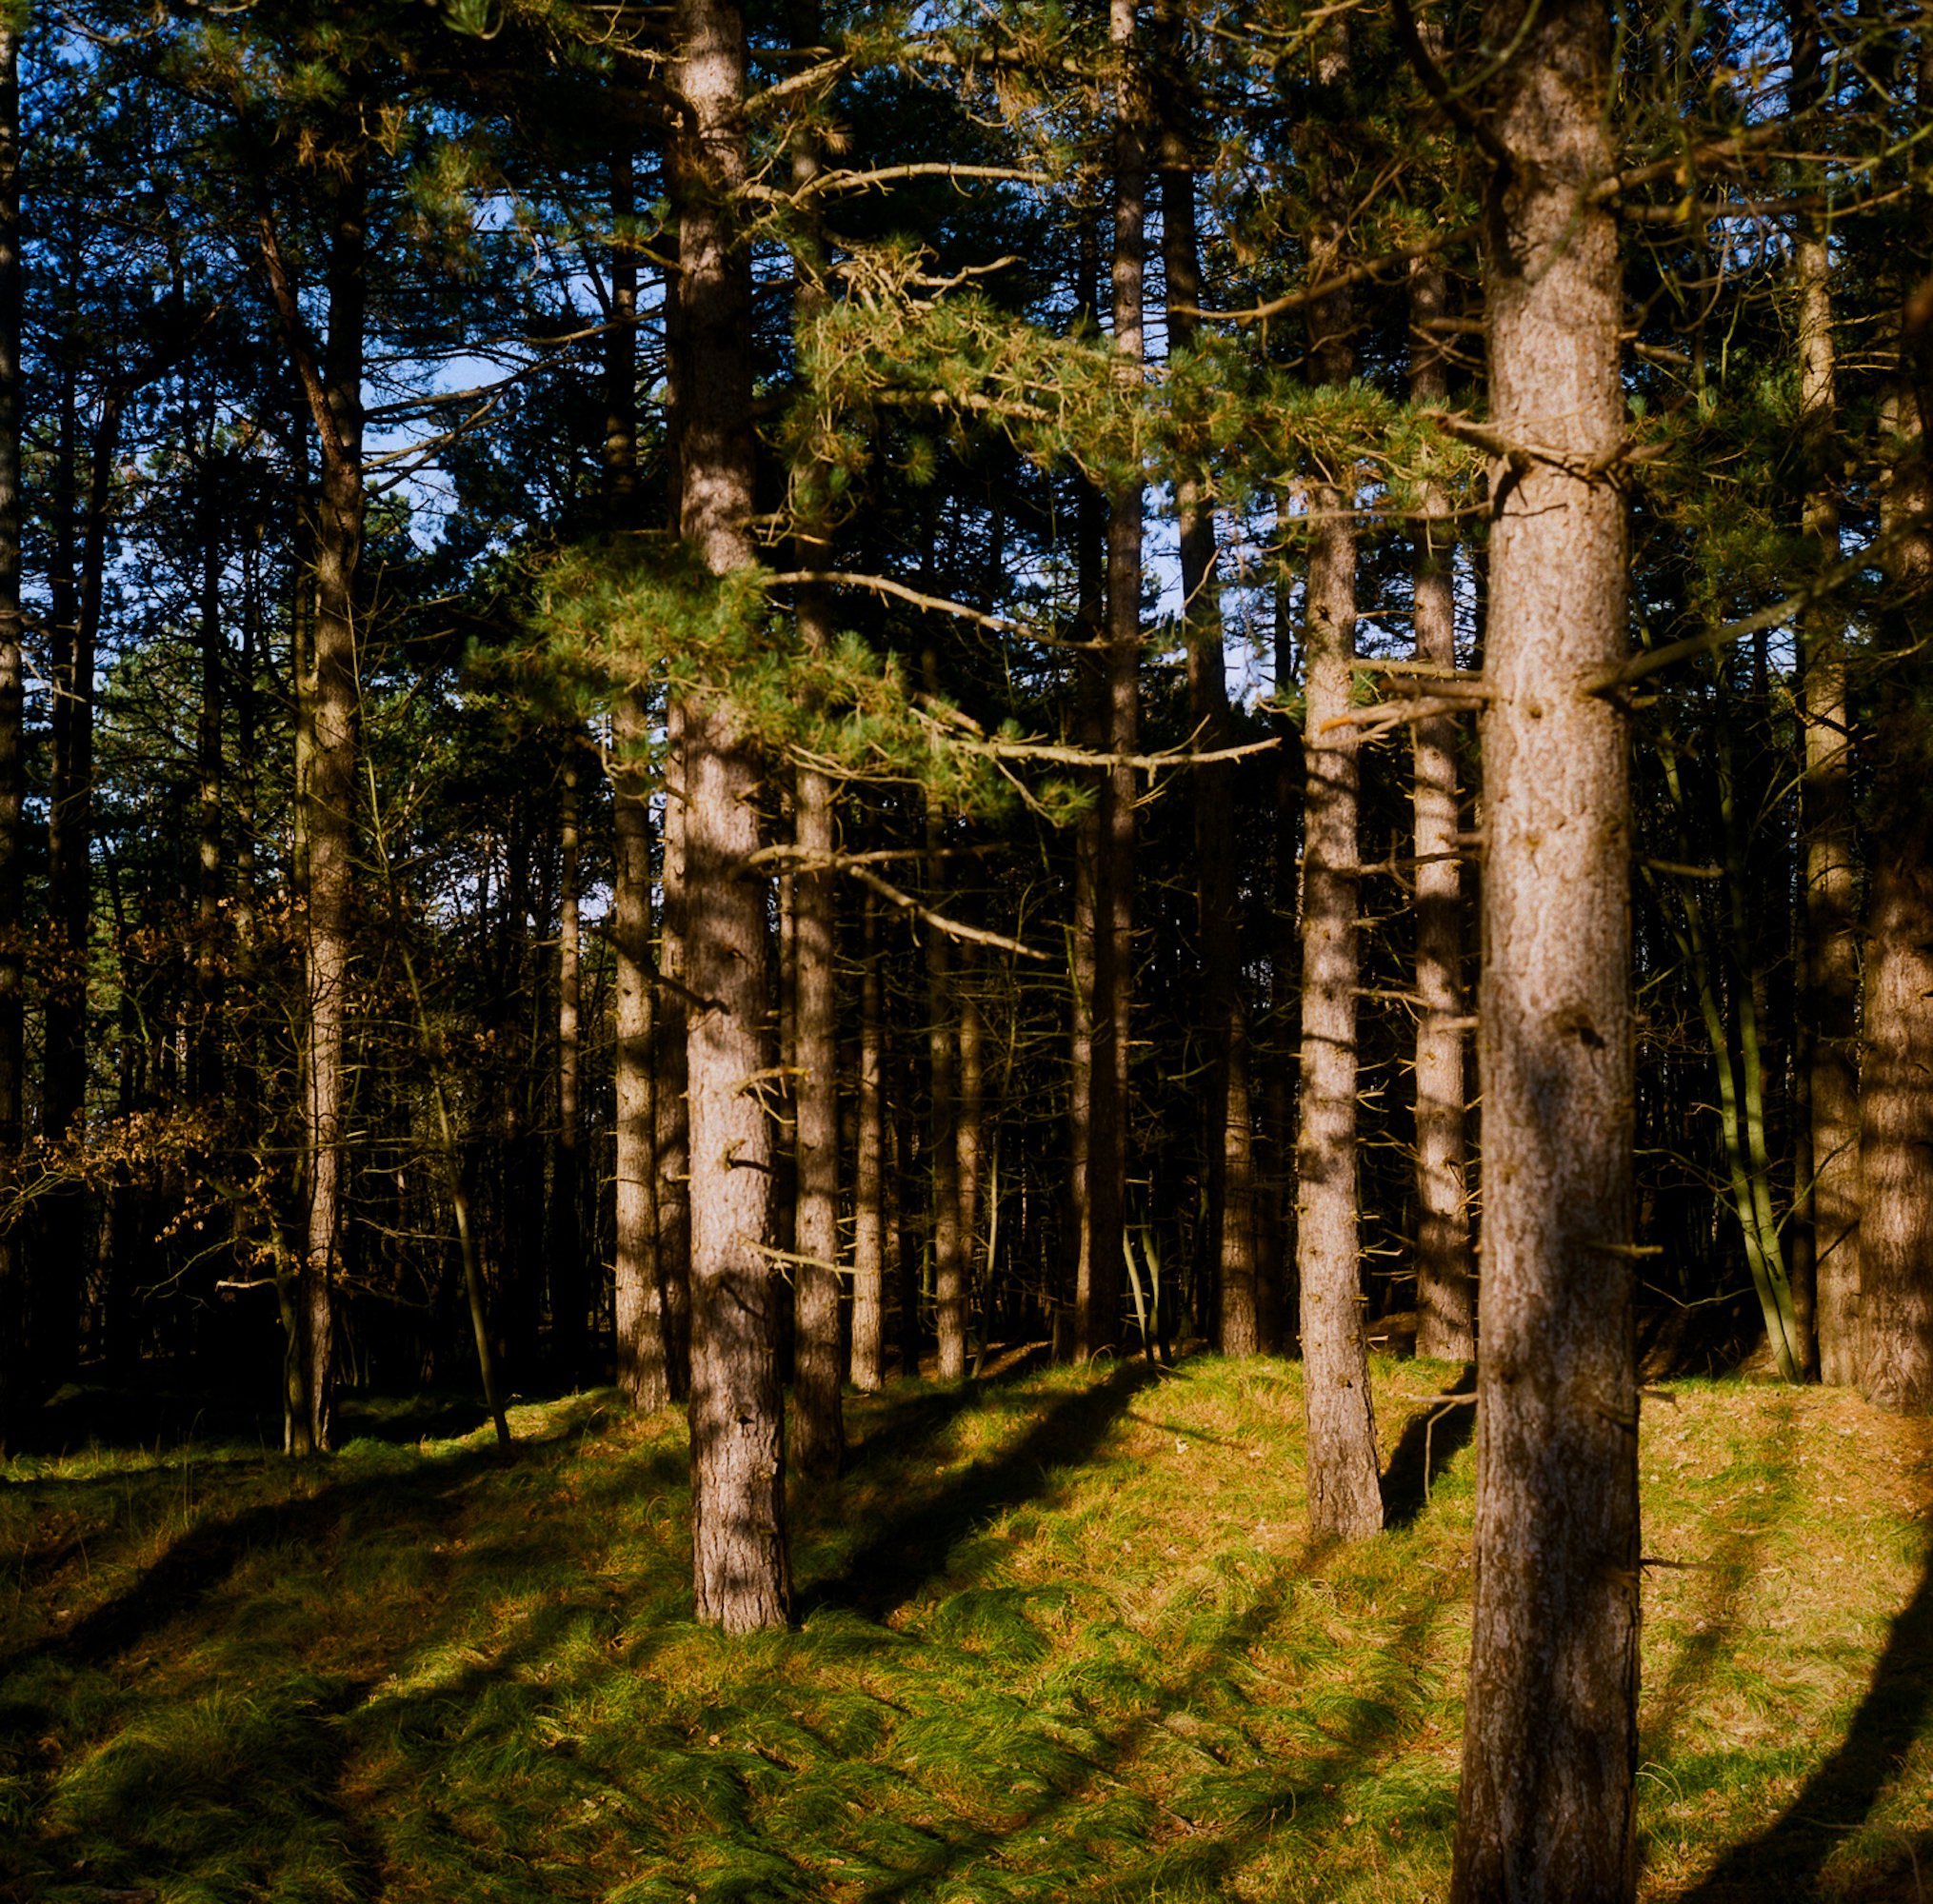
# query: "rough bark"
741,1576
869,1200
643,1369
1344,1490
1829,999
942,1054
570,1287
817,1358
1896,1123
12,944
1227,1129
1895,1085
1446,1291
331,383
1549,1757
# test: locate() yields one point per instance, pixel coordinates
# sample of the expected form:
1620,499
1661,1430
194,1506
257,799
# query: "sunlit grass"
1061,1636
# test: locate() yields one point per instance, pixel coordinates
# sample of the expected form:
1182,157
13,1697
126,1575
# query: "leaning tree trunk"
333,385
1549,1758
12,943
1228,1126
1345,1491
742,1576
1446,1291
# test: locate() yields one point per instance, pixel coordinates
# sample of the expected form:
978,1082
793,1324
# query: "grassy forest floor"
1061,1638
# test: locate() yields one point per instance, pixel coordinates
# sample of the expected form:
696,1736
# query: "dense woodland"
739,698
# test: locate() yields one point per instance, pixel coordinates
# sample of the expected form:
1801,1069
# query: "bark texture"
643,1370
818,1368
1550,1755
1895,1086
1829,1008
741,1576
1344,1488
868,1196
1446,1291
331,382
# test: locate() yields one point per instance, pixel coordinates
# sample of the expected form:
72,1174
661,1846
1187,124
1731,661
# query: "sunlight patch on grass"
1061,1636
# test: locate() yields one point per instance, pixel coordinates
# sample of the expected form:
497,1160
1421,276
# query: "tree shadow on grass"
911,1547
416,1502
1785,1859
1431,1441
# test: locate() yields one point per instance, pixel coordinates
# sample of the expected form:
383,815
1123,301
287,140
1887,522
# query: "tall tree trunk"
332,381
970,1135
742,1574
81,534
1446,1292
644,1365
1113,981
1550,1755
206,1054
13,764
1829,1003
1895,1091
1345,1491
1280,1315
868,1196
817,1361
943,1070
569,1291
1228,1142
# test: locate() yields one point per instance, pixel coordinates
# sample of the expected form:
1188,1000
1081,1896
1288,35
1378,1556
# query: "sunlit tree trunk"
1896,1084
741,1573
1446,1292
1549,1758
1345,1491
1828,999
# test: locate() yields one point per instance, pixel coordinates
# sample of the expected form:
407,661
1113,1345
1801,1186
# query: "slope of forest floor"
1061,1638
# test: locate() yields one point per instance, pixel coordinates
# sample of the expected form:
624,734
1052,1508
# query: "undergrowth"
1061,1636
